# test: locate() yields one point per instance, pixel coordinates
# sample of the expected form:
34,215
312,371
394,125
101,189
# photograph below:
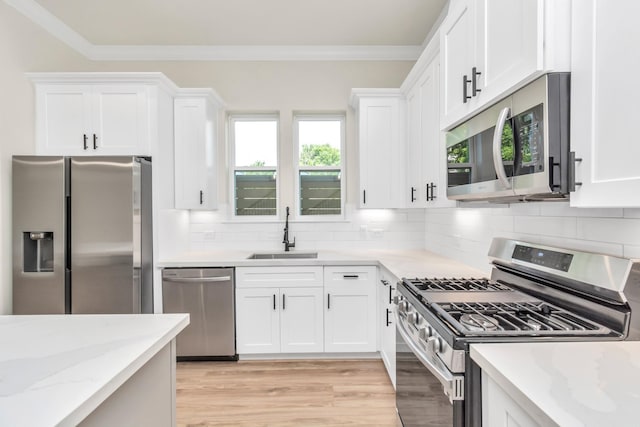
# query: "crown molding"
42,17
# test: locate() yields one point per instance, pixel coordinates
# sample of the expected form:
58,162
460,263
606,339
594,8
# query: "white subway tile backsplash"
624,230
563,209
632,251
542,225
466,233
632,213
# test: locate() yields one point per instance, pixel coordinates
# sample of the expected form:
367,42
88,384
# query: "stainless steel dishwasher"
208,295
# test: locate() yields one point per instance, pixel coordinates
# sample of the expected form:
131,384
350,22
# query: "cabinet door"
604,104
458,53
415,183
382,153
434,160
63,119
387,325
120,122
510,44
257,320
301,320
499,409
350,318
195,182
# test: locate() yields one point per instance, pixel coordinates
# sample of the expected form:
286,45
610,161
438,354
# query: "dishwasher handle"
197,279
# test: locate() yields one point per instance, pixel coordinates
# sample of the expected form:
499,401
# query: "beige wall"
245,86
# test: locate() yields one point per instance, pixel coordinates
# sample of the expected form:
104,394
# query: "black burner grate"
449,285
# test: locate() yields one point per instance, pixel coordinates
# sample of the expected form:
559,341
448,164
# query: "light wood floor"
285,393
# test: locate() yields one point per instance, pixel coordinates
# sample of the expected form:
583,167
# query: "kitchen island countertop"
57,369
569,384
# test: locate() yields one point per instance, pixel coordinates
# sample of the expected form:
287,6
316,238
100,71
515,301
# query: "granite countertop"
57,369
400,263
568,384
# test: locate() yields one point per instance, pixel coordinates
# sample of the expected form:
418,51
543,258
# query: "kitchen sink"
284,255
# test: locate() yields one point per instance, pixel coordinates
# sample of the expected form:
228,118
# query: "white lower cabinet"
501,410
311,309
386,322
350,310
279,319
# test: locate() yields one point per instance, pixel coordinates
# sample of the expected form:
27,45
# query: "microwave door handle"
497,149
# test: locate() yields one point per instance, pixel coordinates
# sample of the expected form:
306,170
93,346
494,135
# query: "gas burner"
514,318
456,285
477,322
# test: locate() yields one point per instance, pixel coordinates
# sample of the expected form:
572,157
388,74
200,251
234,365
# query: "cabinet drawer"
350,275
280,277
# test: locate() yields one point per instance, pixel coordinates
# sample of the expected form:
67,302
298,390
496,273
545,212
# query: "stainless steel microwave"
517,149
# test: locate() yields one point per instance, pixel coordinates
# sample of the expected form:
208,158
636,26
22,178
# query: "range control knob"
429,331
403,306
412,318
423,334
397,299
438,345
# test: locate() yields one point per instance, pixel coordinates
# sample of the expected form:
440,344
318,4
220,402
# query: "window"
319,143
254,148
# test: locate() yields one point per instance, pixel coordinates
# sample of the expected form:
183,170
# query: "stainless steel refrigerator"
82,235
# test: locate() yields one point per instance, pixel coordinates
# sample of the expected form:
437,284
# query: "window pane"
255,192
320,192
319,142
256,143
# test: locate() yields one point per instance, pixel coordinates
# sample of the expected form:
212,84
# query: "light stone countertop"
586,384
400,263
57,369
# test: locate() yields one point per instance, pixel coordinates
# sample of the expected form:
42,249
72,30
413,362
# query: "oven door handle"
497,149
453,385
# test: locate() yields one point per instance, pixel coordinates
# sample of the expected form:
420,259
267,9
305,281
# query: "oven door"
420,393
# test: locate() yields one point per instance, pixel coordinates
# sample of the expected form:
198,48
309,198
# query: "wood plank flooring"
300,393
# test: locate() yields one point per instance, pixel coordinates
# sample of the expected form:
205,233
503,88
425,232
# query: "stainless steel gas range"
536,293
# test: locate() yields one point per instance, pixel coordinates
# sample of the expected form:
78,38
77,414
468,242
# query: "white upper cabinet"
604,103
93,119
432,139
491,47
195,127
381,127
458,53
426,163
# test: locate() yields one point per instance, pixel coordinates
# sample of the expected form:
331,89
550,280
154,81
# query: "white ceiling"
385,30
248,22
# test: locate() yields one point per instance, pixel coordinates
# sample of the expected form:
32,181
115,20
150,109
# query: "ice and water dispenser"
38,251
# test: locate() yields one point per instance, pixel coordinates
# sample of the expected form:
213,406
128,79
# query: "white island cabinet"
89,370
585,384
603,103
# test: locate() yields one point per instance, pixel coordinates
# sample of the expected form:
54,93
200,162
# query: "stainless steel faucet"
285,240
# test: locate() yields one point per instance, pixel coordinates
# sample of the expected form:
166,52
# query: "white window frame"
297,117
251,117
